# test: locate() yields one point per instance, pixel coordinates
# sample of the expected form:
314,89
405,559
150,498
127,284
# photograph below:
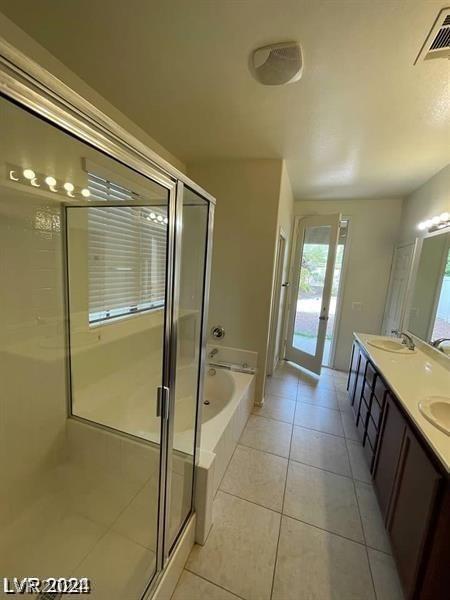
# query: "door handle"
162,402
285,284
323,318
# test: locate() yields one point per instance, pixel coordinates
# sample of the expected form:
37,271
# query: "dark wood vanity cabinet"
411,485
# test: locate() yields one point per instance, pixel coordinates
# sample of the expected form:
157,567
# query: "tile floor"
295,516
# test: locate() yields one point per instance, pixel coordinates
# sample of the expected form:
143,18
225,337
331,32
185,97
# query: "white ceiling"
363,121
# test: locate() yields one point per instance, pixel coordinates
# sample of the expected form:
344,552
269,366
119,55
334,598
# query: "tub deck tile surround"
328,542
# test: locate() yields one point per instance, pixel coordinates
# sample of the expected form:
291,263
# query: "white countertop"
413,377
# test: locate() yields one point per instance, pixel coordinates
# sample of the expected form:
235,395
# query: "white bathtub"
231,397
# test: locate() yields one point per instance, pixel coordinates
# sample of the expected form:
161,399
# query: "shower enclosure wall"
104,262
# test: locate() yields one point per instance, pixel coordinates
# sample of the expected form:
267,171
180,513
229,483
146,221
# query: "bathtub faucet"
213,352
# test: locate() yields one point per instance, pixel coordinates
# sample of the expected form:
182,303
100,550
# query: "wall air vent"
437,44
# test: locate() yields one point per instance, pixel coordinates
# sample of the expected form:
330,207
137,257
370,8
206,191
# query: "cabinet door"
353,373
410,513
391,437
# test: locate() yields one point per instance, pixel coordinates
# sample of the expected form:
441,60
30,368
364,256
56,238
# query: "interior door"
398,285
315,254
277,306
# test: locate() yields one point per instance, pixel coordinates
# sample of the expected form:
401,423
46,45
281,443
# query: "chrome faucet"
213,352
406,338
438,342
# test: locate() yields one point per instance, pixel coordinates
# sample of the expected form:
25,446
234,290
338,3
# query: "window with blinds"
127,256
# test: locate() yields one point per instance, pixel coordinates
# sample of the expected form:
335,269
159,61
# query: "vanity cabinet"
411,485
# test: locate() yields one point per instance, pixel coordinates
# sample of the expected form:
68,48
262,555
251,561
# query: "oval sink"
390,345
437,410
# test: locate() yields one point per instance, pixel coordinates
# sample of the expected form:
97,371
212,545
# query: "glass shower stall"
104,263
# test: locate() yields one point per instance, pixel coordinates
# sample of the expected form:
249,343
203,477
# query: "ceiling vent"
277,64
437,44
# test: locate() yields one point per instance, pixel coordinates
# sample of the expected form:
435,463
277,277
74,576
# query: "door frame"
277,317
341,291
303,359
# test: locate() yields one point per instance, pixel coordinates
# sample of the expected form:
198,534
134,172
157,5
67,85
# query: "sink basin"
437,410
390,345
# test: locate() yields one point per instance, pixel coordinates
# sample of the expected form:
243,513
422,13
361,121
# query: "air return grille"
437,44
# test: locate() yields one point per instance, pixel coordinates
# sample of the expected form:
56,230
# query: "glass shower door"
117,273
193,214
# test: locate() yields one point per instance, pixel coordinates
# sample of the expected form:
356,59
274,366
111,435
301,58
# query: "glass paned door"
310,302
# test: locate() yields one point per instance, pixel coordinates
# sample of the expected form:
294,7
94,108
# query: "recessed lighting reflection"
85,193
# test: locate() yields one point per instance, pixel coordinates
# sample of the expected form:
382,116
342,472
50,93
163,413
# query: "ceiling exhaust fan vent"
277,64
437,44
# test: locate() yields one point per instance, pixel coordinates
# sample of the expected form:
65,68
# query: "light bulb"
50,181
421,226
159,217
29,174
435,220
443,217
69,187
85,193
428,223
152,215
166,220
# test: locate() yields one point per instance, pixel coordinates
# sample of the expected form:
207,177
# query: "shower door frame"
32,87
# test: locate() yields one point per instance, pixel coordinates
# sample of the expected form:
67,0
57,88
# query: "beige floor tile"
320,450
318,418
287,372
340,385
192,587
267,435
374,530
343,401
358,462
318,396
276,407
117,568
239,553
348,424
385,576
282,387
313,382
256,476
323,499
317,565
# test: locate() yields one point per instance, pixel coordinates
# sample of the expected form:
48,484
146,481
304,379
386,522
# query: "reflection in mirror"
429,312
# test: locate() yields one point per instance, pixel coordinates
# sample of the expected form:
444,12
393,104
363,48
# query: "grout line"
273,418
281,518
266,451
301,462
318,405
339,535
212,582
362,526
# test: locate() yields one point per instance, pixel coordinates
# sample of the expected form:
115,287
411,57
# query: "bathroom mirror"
429,305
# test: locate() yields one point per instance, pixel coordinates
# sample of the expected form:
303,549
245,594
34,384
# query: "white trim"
340,293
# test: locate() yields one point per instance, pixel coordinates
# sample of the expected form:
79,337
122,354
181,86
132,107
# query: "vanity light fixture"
69,187
12,175
435,223
85,193
50,181
29,174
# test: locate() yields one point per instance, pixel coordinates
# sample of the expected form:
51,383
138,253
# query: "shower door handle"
162,402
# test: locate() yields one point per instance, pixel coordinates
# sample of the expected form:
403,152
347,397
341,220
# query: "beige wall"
246,219
431,199
373,232
23,42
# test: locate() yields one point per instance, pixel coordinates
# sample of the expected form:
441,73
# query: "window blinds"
127,258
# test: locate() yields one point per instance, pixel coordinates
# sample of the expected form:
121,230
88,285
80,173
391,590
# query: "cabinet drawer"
370,374
372,433
363,411
367,392
375,412
368,452
380,390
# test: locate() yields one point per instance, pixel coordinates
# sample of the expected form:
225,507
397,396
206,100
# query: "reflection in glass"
429,314
77,498
316,243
